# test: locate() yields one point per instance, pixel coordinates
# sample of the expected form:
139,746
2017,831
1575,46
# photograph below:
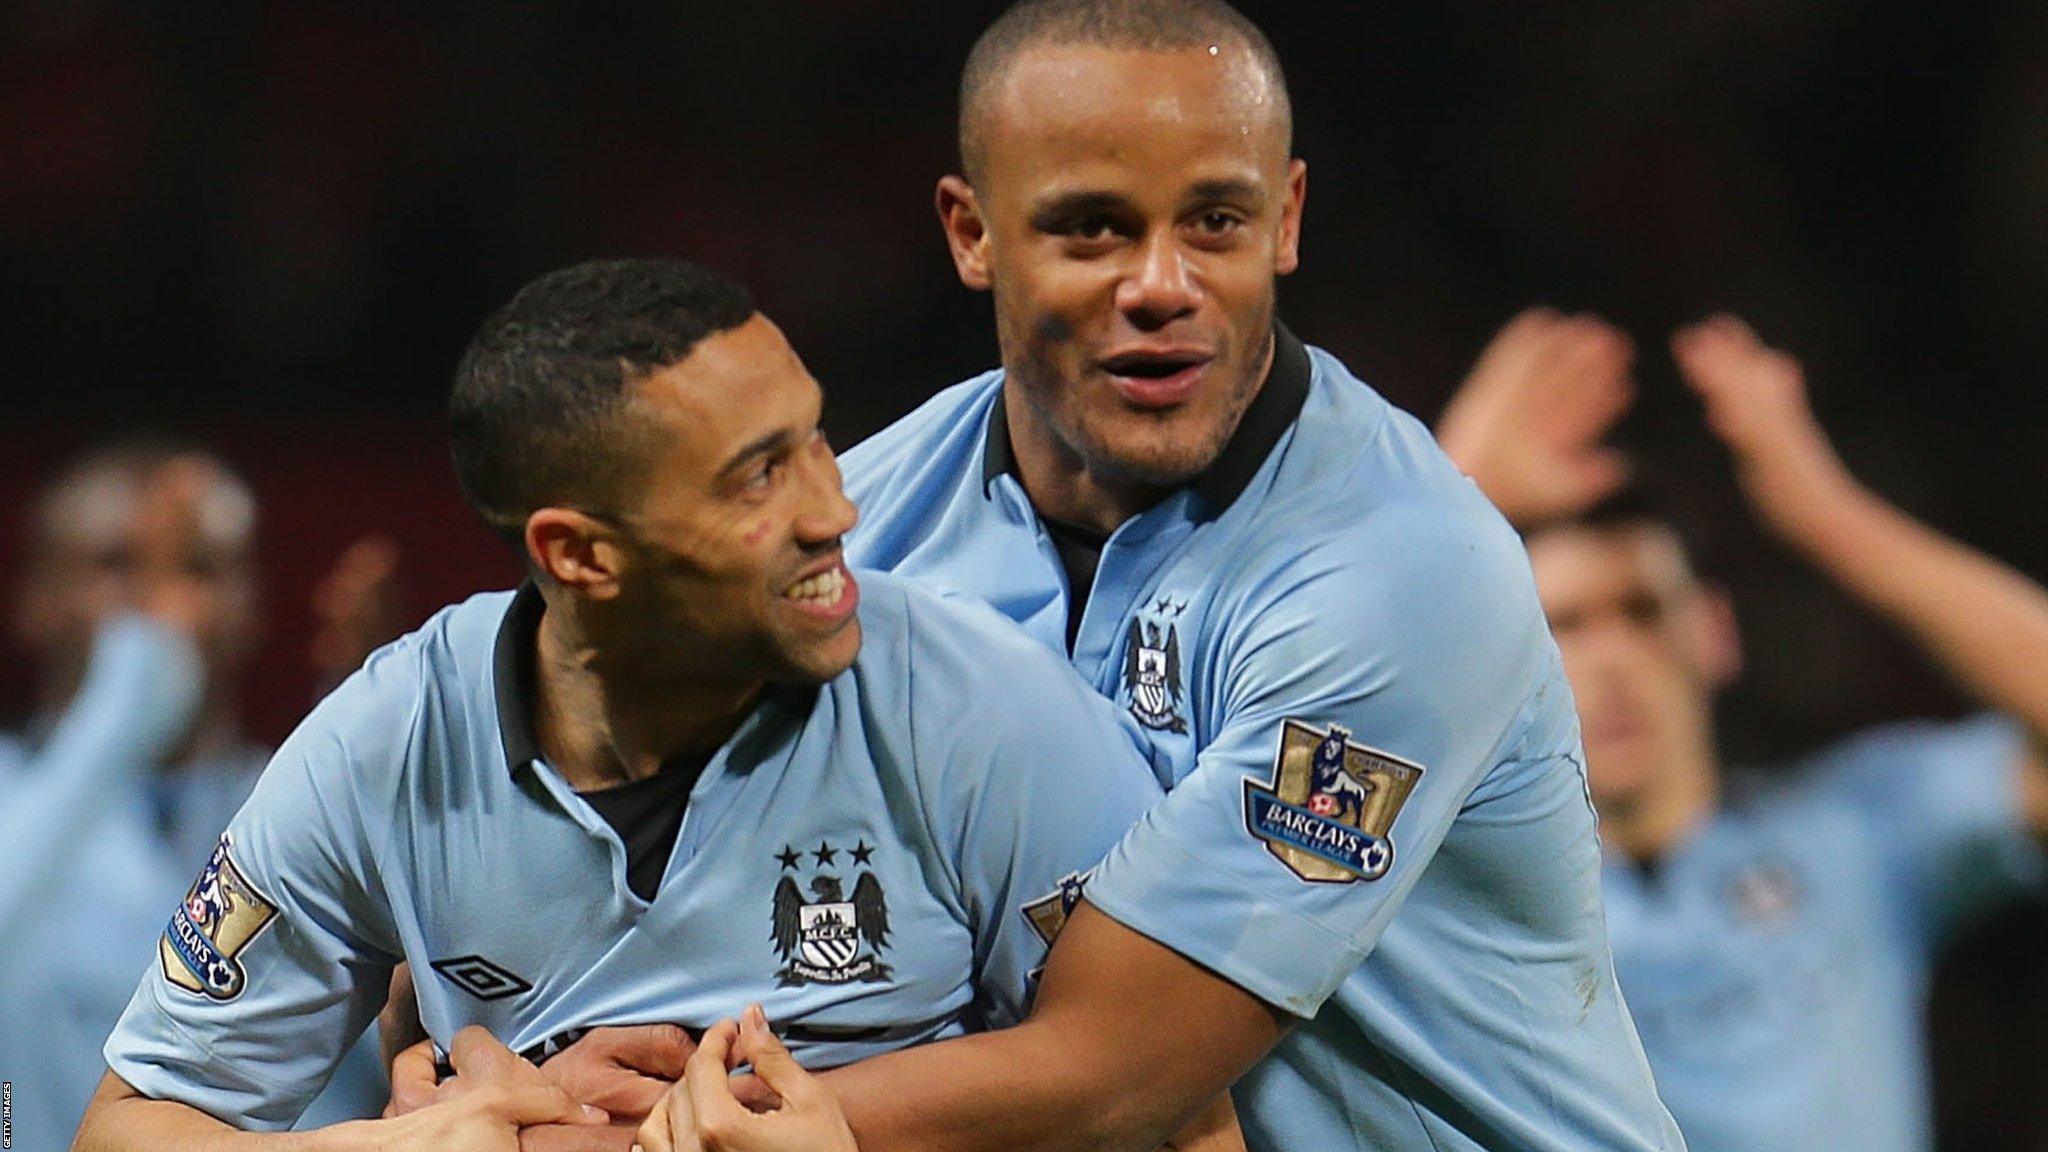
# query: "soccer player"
1371,897
138,611
1774,934
692,763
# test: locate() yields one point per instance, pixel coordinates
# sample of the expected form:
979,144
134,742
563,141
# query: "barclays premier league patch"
219,917
1327,811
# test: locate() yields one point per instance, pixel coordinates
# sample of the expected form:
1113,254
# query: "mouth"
1155,378
829,594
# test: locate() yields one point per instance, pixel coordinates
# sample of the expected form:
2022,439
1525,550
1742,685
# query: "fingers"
707,1079
412,1079
521,1094
577,1138
758,1045
477,1055
672,1125
543,1103
659,1050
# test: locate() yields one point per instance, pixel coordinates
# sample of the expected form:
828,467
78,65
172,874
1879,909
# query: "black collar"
1267,419
513,661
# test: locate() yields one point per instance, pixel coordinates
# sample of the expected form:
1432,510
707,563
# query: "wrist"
1799,491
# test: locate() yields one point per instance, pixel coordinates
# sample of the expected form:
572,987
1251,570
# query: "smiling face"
734,567
1130,213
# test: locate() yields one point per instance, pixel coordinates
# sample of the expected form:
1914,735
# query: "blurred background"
271,227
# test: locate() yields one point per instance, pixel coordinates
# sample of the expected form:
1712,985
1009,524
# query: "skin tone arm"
502,1094
1128,1043
1983,623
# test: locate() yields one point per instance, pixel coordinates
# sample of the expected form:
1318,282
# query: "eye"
1218,225
764,474
1091,229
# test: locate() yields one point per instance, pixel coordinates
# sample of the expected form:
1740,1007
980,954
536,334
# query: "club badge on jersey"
1327,811
218,918
832,937
1152,671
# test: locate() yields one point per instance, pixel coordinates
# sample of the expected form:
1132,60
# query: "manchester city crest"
1328,809
1152,673
221,914
830,936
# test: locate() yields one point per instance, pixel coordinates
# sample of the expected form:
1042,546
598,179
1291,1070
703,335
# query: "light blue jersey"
1378,819
1778,960
879,862
95,841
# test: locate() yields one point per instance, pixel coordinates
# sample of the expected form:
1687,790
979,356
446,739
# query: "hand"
357,607
1526,423
1755,398
700,1114
623,1071
482,1108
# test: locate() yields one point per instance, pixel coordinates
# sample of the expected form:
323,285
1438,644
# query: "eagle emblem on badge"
1330,805
1152,675
218,918
830,937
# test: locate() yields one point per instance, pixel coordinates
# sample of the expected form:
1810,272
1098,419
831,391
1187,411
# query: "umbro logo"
481,978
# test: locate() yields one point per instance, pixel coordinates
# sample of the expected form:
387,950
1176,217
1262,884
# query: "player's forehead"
1061,106
736,388
1583,566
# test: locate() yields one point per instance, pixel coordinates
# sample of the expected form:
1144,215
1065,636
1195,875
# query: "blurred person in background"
1774,933
140,611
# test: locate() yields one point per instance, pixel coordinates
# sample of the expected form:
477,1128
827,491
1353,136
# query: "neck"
1061,485
603,718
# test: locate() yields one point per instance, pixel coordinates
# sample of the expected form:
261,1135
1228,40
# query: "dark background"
273,226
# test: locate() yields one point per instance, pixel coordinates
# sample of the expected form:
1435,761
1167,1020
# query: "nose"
827,514
1161,287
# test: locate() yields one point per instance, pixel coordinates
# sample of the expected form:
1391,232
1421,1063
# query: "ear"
577,551
1716,637
1287,245
966,231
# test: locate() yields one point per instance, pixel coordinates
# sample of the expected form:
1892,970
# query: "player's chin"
816,659
1160,452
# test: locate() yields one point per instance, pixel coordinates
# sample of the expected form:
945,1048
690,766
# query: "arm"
1526,423
507,1095
1983,623
1128,1041
139,692
1204,934
280,953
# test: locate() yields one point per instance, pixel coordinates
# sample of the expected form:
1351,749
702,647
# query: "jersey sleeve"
1942,801
1040,778
281,952
1369,688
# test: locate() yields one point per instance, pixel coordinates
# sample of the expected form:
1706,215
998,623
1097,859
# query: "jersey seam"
910,709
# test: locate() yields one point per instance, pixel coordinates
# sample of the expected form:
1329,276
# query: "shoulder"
941,639
1388,553
935,436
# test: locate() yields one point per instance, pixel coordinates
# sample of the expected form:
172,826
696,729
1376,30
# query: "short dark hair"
1143,25
538,414
1651,500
